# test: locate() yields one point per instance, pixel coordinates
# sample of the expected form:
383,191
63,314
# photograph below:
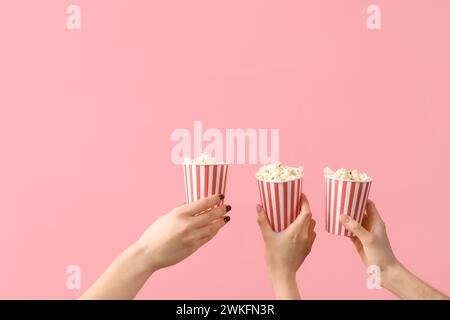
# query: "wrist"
282,276
143,259
390,274
284,284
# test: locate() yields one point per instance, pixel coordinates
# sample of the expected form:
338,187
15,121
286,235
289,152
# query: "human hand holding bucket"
280,190
346,193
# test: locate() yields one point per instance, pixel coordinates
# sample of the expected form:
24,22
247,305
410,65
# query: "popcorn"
343,173
201,159
277,172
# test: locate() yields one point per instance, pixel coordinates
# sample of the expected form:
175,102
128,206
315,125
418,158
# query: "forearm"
124,277
401,282
285,287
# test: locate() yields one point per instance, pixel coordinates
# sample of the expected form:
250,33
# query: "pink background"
86,118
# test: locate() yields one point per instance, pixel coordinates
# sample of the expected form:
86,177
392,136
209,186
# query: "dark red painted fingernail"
228,208
226,219
221,196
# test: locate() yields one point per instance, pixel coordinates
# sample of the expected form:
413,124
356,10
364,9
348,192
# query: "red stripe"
336,186
341,211
277,202
214,179
198,182
206,188
292,204
328,204
264,203
363,207
225,179
285,204
299,196
358,200
292,183
260,192
350,202
220,180
269,197
191,172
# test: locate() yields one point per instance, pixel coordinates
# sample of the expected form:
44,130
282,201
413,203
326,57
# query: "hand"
371,240
172,238
372,243
286,251
179,233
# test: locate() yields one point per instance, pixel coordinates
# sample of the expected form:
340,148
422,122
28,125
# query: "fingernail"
345,219
258,207
226,219
221,196
228,208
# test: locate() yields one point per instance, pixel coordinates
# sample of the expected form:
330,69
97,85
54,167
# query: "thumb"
263,222
352,225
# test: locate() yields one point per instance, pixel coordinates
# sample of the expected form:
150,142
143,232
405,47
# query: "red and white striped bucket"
344,197
281,201
201,181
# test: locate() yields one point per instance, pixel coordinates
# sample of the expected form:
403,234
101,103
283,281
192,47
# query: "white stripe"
202,180
194,183
185,184
333,194
353,209
188,177
346,211
218,173
327,196
210,180
338,208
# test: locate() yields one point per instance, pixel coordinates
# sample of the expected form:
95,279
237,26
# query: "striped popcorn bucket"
202,181
281,201
344,197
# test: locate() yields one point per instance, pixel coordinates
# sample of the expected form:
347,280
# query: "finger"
357,243
373,215
313,238
304,207
210,215
263,222
312,225
353,226
303,221
201,205
211,229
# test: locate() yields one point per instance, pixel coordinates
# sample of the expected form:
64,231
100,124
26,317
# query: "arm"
406,285
124,277
286,251
169,240
372,243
